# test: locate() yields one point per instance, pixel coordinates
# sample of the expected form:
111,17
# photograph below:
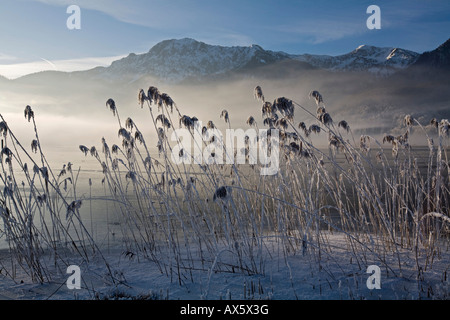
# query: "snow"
284,276
176,60
379,61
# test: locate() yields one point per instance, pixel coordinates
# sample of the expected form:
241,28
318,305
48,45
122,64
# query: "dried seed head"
129,123
93,151
224,115
148,162
314,128
131,175
34,146
44,172
251,121
434,123
167,101
317,96
153,94
29,114
139,137
320,110
164,121
3,128
115,149
125,134
221,193
268,109
282,123
110,103
105,147
269,122
364,143
388,138
72,207
6,151
160,147
142,97
430,144
344,125
84,149
41,199
285,106
187,122
325,118
161,134
334,141
444,127
62,172
302,126
403,138
259,94
321,162
295,147
408,120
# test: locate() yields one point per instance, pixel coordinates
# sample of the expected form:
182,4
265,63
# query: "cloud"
6,57
157,14
16,70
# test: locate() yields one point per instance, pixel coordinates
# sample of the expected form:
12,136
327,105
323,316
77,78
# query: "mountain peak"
364,47
438,58
377,60
178,59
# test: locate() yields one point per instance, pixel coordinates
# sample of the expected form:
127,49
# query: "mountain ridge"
381,101
377,60
175,60
437,58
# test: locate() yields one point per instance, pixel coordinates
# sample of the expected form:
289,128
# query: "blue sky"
34,35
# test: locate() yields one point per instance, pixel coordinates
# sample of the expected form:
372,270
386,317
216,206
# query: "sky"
34,35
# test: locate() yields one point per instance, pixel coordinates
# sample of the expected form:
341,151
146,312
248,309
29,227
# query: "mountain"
176,60
436,59
380,61
195,72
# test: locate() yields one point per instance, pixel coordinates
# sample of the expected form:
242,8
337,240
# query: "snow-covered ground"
298,274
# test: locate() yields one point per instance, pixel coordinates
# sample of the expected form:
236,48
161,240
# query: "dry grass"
217,217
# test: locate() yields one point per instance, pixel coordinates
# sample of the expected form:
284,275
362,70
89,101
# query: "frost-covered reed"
228,218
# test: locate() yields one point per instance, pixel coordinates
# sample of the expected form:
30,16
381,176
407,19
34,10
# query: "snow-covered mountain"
438,58
175,60
381,61
187,59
